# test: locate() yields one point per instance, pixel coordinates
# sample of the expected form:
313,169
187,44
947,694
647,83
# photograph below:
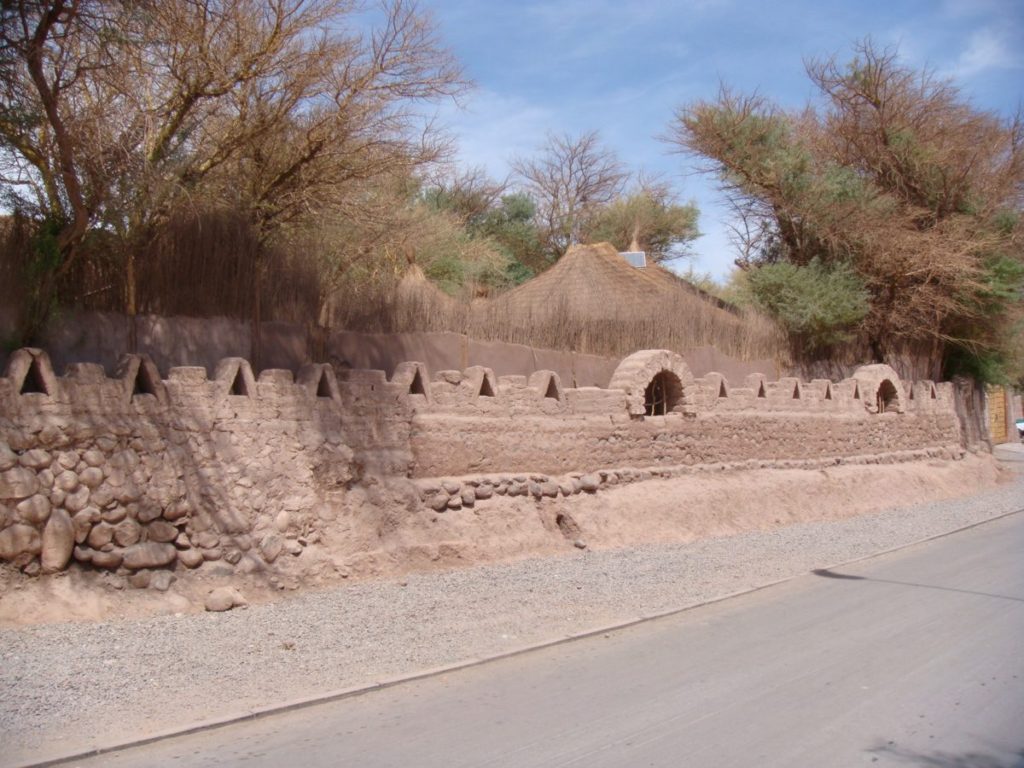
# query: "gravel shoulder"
75,686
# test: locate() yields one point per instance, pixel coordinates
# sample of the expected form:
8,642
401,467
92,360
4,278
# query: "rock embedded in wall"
57,542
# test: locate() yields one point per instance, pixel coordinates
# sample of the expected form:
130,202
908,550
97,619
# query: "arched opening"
887,396
663,394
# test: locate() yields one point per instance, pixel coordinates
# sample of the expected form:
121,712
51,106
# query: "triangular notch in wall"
721,389
323,387
552,390
856,391
238,385
143,385
760,390
486,390
417,387
828,391
34,383
796,391
910,392
932,388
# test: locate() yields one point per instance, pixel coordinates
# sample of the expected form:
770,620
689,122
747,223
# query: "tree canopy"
894,177
113,115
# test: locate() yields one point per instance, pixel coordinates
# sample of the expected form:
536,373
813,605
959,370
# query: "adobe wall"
149,473
586,429
145,475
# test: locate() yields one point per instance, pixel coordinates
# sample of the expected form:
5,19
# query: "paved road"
914,658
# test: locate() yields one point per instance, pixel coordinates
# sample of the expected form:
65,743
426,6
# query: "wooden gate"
996,397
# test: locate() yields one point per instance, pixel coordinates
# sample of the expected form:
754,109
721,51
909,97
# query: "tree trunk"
256,340
131,300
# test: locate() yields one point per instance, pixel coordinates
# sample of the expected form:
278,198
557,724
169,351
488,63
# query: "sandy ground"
373,545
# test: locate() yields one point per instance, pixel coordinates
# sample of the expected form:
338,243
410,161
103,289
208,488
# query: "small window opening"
238,386
796,391
142,385
33,382
323,387
828,391
933,391
552,390
760,390
417,388
662,394
856,391
486,390
721,389
886,398
910,392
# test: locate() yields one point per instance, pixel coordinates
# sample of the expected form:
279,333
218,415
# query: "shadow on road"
828,574
947,759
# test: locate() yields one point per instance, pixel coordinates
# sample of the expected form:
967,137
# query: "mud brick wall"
143,475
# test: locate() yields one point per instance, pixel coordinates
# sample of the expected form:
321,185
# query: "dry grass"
586,303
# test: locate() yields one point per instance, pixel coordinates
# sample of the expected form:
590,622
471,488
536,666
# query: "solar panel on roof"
636,259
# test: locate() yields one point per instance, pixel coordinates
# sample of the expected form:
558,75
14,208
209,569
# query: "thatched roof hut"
593,300
595,282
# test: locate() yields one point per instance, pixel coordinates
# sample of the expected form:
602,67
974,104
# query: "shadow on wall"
102,337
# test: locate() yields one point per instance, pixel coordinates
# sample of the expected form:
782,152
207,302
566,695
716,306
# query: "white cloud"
986,50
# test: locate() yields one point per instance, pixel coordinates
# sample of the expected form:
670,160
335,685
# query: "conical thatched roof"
595,282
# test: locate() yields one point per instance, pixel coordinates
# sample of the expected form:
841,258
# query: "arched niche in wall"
880,388
656,381
663,394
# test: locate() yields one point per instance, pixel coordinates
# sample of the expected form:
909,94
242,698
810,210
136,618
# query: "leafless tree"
569,179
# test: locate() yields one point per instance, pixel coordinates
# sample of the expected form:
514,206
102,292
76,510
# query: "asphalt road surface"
912,658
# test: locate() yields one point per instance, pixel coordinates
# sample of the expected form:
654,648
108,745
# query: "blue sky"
623,68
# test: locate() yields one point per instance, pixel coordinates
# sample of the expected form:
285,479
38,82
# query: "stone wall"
145,475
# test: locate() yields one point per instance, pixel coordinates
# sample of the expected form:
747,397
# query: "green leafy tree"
511,226
819,307
649,219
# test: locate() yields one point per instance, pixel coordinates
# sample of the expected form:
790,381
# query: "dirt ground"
370,543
